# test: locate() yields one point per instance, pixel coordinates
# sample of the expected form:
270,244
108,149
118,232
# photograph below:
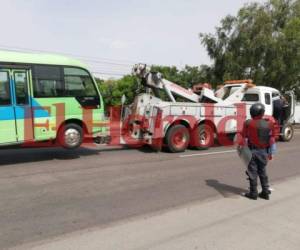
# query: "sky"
115,33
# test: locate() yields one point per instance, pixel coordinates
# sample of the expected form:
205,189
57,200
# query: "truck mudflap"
157,138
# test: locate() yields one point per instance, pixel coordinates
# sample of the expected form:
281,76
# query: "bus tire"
203,137
70,136
177,138
287,133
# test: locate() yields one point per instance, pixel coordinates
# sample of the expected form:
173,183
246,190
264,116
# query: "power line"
109,61
89,58
104,62
114,67
108,73
111,70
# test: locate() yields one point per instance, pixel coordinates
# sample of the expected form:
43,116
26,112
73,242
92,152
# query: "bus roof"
38,58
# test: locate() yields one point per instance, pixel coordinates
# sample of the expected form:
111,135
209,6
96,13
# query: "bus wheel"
177,138
287,133
70,136
203,137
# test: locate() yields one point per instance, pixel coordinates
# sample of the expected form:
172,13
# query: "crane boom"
155,80
225,95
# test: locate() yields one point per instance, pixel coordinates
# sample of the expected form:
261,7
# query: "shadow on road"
224,189
15,156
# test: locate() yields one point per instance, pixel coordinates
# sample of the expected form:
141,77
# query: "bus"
47,98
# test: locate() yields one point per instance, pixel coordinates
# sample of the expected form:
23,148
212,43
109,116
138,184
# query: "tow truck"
183,118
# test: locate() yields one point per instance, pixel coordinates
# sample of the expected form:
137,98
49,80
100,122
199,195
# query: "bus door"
8,130
15,106
22,104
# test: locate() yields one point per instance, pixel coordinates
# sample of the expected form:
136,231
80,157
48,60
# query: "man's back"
258,132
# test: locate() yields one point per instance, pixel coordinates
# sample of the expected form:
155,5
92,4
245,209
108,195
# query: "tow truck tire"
287,133
70,136
203,137
177,138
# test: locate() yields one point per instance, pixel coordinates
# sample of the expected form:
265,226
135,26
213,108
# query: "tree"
262,42
113,90
188,76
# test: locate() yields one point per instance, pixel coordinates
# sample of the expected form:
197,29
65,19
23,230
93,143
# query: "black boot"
265,194
253,194
250,195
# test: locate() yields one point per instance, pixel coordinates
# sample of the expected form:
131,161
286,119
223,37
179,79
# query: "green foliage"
262,42
113,90
186,77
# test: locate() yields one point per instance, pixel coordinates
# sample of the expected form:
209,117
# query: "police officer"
258,134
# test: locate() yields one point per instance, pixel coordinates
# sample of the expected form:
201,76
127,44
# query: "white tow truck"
187,119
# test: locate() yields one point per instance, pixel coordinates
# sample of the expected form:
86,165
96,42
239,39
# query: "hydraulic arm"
155,81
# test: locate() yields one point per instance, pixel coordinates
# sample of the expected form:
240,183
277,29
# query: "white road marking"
205,154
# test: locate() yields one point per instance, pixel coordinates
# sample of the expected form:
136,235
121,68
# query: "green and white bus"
47,98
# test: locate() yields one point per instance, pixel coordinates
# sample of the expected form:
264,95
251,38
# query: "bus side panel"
7,125
50,113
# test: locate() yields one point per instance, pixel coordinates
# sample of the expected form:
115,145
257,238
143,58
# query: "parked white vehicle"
186,116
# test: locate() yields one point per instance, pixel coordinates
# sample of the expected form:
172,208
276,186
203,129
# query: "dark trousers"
257,168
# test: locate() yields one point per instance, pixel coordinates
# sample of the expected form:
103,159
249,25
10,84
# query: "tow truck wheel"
287,133
177,138
70,136
203,137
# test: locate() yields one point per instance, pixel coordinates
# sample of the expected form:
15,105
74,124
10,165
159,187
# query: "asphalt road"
49,192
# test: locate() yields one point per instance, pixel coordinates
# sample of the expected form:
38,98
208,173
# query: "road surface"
46,193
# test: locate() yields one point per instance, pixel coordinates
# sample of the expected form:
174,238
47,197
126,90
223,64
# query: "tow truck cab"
267,96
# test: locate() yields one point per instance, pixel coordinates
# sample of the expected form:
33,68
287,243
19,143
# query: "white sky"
158,32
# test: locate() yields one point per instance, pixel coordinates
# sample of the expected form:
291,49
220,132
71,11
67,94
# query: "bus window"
5,98
21,87
79,83
48,81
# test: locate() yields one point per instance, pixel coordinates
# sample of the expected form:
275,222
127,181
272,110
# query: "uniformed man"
259,135
278,109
